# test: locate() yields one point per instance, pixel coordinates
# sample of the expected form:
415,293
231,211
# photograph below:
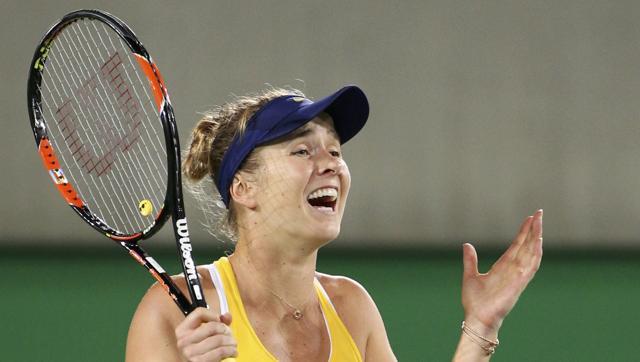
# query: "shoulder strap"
217,282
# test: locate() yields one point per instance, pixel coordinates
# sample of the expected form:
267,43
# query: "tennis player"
275,159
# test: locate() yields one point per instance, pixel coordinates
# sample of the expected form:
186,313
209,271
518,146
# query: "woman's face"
303,183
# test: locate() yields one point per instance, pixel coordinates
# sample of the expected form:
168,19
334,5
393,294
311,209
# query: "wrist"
488,342
490,330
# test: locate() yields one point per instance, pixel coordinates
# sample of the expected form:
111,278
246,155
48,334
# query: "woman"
275,159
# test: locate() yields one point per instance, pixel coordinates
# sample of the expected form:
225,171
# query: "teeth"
333,193
324,209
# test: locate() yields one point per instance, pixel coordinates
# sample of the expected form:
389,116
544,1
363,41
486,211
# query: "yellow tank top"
343,348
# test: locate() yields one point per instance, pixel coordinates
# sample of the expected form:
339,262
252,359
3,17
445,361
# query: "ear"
243,191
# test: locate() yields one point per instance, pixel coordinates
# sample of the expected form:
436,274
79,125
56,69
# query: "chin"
324,235
329,234
321,225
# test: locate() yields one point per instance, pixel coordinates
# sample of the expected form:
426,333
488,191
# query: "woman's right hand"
205,336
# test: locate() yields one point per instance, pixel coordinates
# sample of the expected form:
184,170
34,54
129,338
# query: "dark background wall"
481,112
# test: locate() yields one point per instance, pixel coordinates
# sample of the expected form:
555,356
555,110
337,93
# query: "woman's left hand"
488,298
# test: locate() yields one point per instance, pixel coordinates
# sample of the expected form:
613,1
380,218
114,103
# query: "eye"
301,152
335,153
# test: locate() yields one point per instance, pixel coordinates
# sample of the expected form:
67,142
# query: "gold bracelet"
489,347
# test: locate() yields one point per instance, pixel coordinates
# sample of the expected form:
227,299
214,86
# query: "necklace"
297,312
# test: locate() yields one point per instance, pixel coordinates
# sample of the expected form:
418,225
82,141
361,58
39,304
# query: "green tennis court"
60,305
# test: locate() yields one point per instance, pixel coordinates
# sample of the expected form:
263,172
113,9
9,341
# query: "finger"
520,238
226,318
530,255
536,230
195,319
469,260
538,226
523,232
208,345
219,354
203,332
526,225
534,245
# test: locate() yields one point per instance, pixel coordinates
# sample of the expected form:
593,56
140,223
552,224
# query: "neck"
265,272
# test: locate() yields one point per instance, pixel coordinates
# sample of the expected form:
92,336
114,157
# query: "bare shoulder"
354,305
360,315
151,333
158,303
345,293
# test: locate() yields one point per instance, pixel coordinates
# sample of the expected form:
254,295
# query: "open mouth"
324,199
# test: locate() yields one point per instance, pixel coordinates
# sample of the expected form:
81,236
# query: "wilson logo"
112,139
185,247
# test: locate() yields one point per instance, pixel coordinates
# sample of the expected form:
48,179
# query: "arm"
378,346
360,315
151,333
488,298
160,332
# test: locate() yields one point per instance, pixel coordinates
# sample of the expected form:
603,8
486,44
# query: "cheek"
287,179
345,177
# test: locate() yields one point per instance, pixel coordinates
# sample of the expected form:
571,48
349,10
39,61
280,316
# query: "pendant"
297,314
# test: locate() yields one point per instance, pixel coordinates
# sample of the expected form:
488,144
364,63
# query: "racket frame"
173,203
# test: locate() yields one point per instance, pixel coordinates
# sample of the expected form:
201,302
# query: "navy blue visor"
348,107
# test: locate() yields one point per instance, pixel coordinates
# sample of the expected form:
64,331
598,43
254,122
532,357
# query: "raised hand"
205,336
488,298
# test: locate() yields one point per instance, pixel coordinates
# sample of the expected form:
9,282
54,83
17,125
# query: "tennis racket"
106,132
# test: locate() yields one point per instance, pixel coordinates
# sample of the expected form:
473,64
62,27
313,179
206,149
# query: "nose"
328,163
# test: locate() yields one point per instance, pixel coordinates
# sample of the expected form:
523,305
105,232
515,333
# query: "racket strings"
130,112
156,142
112,62
85,108
158,168
71,130
148,100
107,129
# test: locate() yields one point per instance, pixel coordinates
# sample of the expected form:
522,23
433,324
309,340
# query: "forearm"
476,344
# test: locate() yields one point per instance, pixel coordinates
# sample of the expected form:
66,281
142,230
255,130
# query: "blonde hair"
209,141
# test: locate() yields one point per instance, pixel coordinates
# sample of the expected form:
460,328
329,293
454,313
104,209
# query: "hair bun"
197,163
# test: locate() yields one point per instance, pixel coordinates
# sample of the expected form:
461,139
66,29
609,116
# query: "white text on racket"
185,246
